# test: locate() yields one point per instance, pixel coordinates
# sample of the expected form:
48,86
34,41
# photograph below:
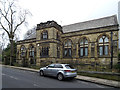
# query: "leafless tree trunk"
11,18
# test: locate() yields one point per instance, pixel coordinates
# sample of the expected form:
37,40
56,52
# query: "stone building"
85,42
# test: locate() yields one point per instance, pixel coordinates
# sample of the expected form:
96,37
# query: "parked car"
61,71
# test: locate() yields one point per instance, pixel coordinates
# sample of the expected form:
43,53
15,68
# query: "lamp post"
111,50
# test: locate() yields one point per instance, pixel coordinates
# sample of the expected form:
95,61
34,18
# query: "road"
15,78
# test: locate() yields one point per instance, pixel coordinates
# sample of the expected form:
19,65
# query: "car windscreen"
69,67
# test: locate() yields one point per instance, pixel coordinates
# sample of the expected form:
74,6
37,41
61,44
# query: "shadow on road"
55,78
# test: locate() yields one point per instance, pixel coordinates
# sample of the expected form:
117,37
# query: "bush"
117,66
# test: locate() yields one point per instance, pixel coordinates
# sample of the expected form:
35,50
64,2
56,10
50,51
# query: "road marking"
9,76
13,77
36,85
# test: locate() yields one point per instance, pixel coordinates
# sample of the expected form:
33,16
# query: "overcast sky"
66,12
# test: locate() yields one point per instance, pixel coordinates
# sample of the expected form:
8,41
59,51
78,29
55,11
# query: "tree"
11,18
6,52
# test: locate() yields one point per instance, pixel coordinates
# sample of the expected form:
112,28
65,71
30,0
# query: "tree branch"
5,29
4,16
19,24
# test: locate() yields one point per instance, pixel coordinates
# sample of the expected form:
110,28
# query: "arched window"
68,48
31,51
103,45
44,35
23,51
83,47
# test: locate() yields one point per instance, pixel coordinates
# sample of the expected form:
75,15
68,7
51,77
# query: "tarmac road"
15,78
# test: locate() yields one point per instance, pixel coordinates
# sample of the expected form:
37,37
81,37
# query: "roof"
96,23
33,35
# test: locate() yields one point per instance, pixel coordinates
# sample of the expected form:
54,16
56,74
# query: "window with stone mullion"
45,52
83,51
23,51
103,46
31,51
44,35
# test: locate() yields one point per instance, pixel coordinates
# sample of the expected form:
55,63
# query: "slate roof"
33,35
96,23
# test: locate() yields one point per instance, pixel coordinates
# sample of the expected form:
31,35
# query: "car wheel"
41,73
60,77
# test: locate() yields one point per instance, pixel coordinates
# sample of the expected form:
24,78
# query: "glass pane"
106,39
33,53
81,51
65,43
86,41
103,37
100,40
81,42
69,43
106,50
44,35
101,50
86,51
69,51
69,67
65,52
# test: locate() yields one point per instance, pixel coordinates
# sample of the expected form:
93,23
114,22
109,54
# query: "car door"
49,69
56,69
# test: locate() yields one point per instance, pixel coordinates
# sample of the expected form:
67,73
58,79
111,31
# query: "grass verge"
102,76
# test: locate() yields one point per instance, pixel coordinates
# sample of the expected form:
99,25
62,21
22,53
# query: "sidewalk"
79,77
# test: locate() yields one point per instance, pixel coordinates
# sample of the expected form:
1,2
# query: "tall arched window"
103,45
23,51
31,51
68,48
44,35
83,47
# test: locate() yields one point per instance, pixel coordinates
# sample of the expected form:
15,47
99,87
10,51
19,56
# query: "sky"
66,12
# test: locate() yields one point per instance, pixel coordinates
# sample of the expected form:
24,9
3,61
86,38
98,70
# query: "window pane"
65,43
69,67
86,42
101,50
81,51
106,39
81,42
100,40
33,53
44,35
65,52
106,50
69,43
69,51
86,51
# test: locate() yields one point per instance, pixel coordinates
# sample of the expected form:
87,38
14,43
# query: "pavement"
79,77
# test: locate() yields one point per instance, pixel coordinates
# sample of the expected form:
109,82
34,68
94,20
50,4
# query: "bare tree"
11,18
